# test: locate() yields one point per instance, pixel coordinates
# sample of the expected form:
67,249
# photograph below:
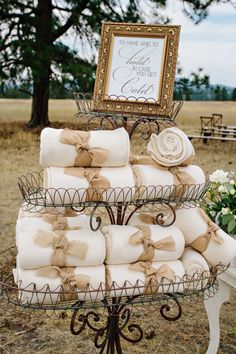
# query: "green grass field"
25,333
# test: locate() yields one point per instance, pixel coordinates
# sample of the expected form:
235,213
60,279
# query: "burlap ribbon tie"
70,281
142,160
58,222
87,156
147,219
97,183
181,178
153,276
61,246
201,243
144,237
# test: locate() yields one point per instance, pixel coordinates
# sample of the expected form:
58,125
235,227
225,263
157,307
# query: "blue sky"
210,44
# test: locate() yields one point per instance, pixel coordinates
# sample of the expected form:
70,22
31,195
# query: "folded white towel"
120,182
128,244
38,289
194,223
54,152
133,281
160,182
196,268
171,147
61,248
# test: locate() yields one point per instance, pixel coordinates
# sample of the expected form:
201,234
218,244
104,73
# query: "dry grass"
23,332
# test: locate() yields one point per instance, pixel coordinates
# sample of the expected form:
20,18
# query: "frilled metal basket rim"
33,192
115,106
205,285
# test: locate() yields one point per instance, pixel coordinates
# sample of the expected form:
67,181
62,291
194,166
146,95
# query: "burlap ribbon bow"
153,276
201,242
182,180
147,219
58,222
144,237
87,156
97,183
70,281
61,246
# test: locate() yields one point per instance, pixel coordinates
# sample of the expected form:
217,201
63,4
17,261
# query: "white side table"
213,306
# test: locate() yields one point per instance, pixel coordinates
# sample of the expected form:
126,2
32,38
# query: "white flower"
213,213
232,182
219,176
221,189
225,211
232,191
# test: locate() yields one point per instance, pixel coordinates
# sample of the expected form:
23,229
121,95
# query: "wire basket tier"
190,288
113,117
35,195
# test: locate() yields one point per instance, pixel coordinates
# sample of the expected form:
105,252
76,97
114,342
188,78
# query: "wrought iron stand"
116,310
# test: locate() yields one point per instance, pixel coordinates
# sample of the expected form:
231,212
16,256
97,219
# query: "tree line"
187,93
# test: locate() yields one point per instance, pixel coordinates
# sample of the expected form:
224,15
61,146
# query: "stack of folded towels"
58,252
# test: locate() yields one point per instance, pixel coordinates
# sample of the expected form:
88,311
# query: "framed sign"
136,68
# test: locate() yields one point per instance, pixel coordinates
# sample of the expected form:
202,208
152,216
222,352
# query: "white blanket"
160,182
126,244
196,269
133,281
55,153
35,289
70,248
221,247
171,147
121,182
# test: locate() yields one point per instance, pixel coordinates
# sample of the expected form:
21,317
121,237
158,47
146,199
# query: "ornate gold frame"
162,106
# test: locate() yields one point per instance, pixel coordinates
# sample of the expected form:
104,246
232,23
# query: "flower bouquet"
220,201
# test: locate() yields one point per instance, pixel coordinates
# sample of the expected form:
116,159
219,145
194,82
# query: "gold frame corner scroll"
136,69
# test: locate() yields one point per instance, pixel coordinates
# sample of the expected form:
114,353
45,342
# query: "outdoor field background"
19,154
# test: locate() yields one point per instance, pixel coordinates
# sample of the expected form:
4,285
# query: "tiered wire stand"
107,311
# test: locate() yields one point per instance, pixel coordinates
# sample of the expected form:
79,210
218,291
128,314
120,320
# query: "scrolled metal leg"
171,217
98,220
107,337
166,308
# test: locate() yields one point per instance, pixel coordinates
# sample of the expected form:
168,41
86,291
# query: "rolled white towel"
106,183
135,282
60,248
68,148
171,147
49,222
205,236
156,182
129,244
196,269
51,285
